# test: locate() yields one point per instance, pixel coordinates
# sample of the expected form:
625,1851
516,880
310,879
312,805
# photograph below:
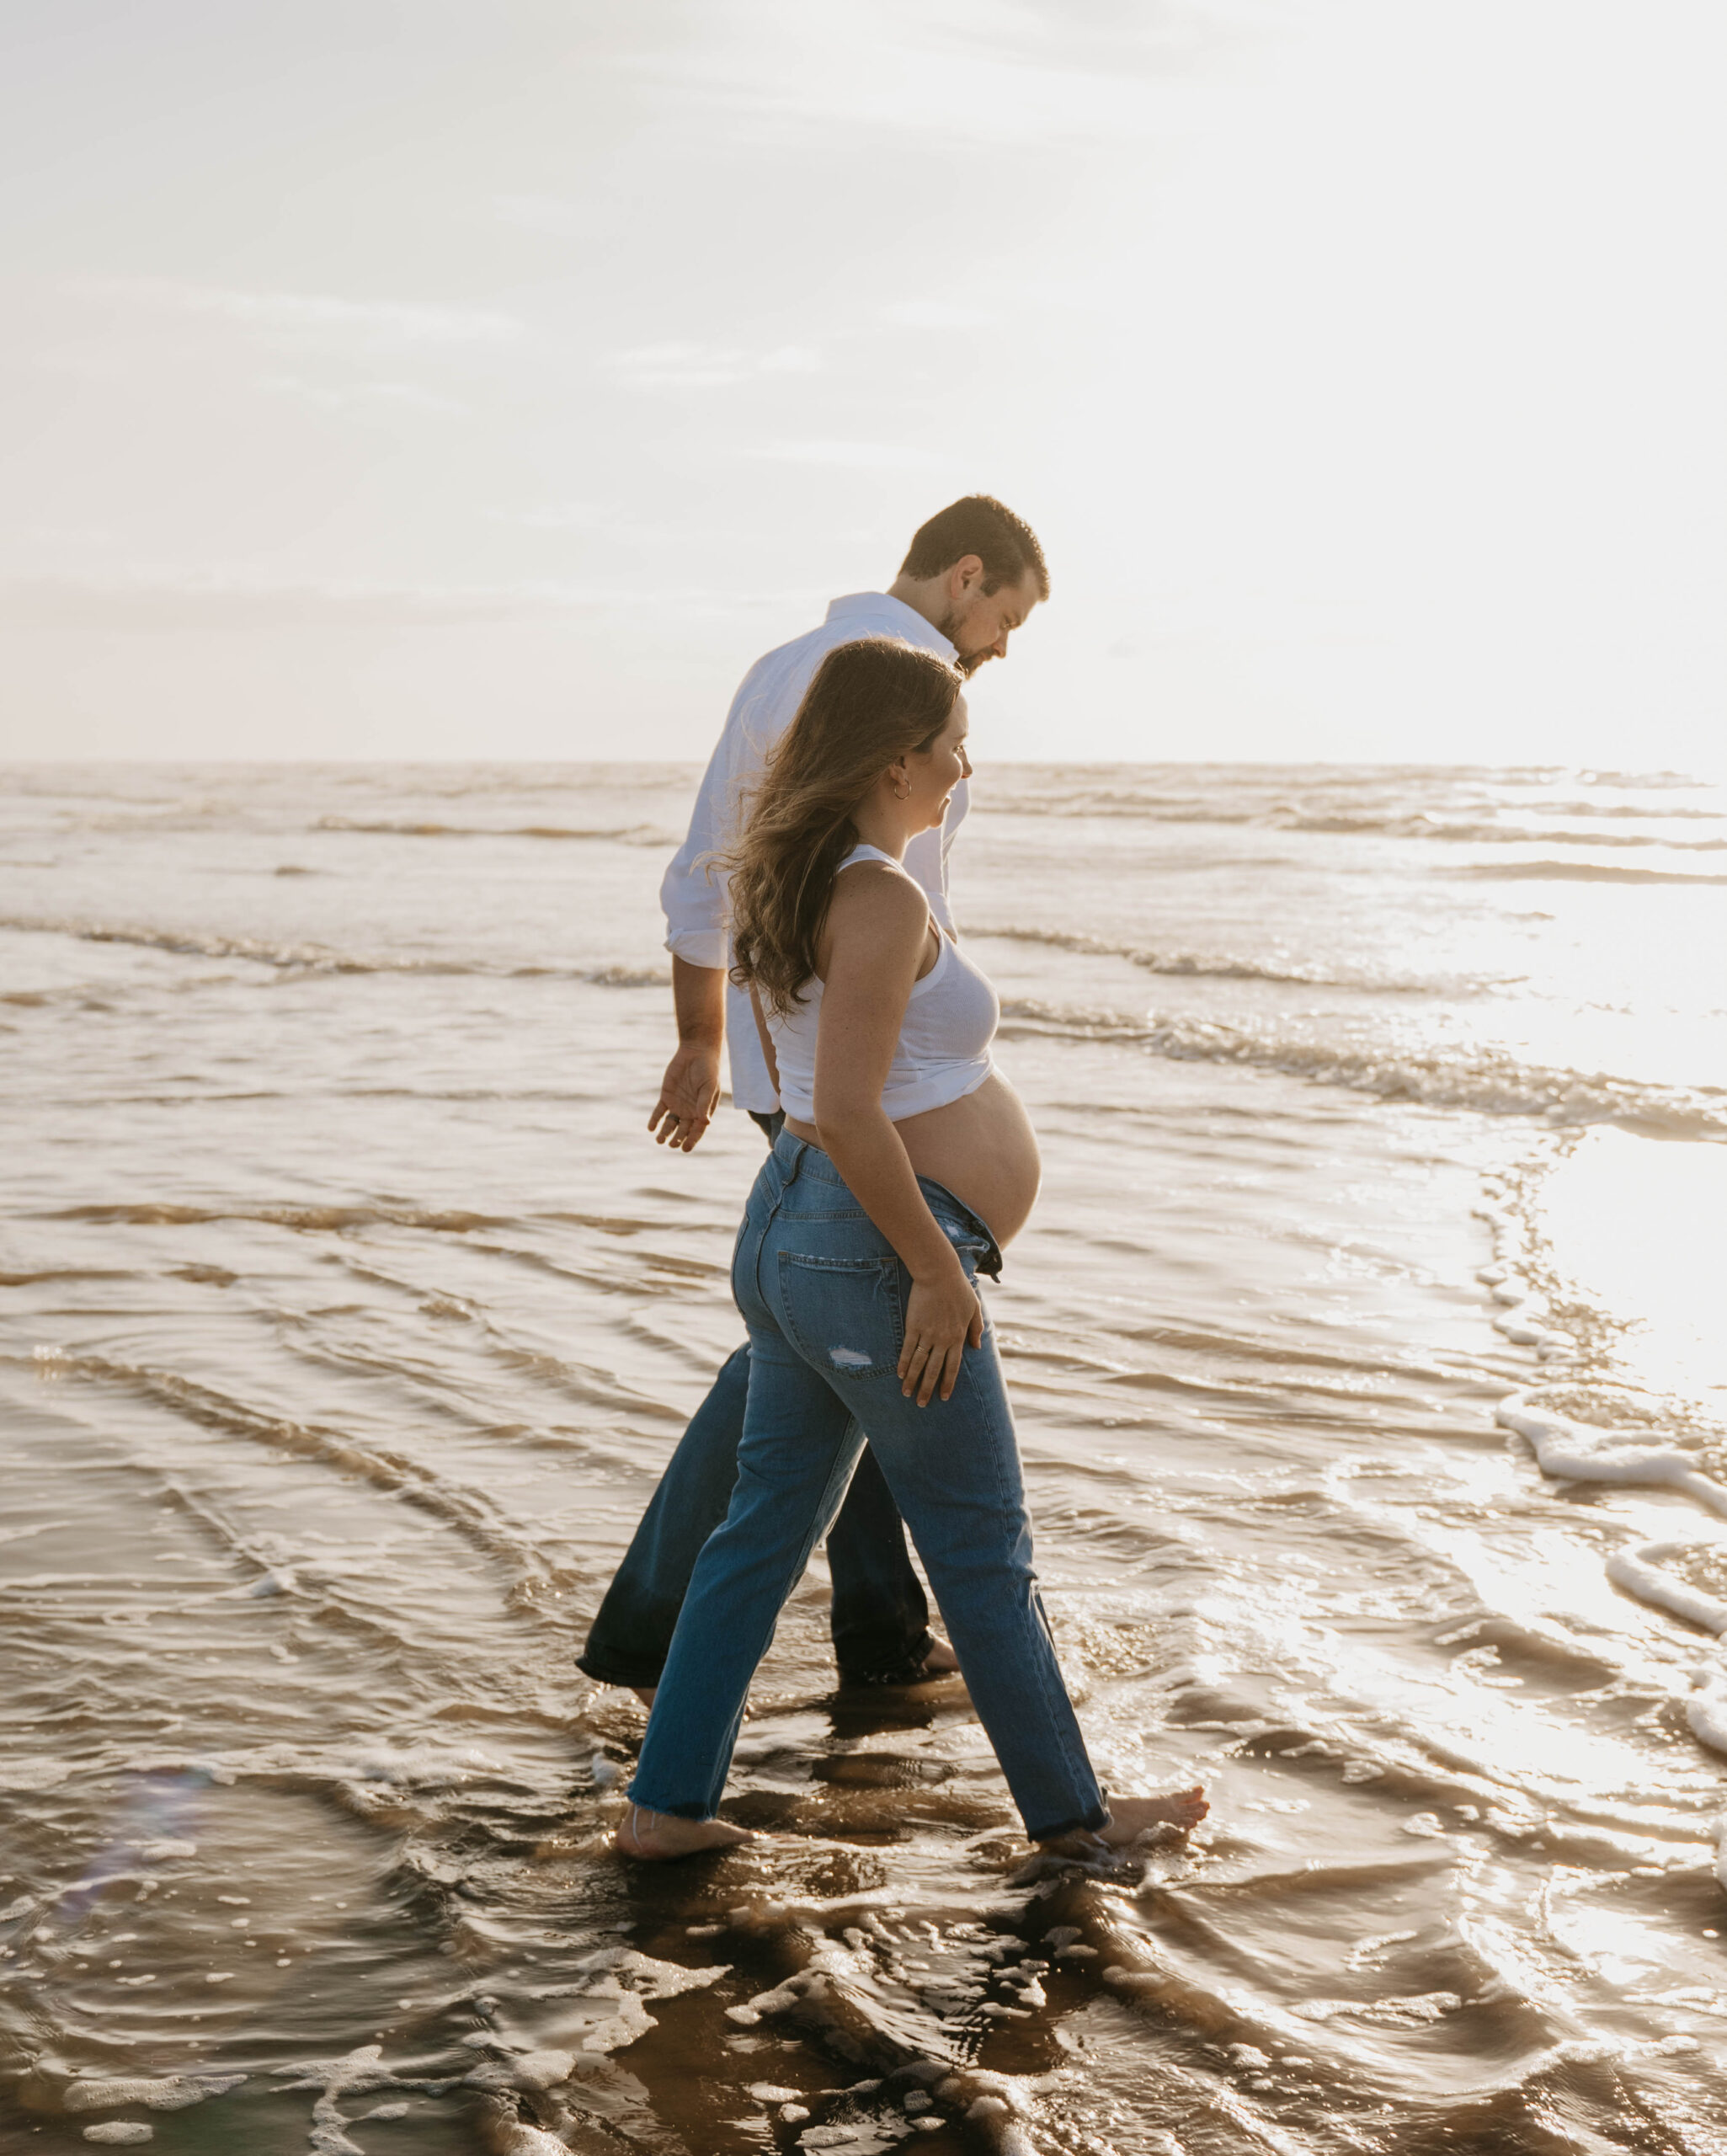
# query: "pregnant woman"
907,1163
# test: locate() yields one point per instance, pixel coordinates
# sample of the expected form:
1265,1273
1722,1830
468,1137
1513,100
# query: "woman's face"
935,771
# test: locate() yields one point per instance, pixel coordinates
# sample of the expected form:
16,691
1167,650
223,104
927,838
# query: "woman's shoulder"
877,898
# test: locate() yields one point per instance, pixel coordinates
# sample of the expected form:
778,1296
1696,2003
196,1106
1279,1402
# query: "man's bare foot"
939,1662
657,1837
1131,1816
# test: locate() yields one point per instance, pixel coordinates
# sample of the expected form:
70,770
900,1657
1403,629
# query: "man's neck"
925,596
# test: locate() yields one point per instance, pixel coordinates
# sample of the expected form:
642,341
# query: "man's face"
978,624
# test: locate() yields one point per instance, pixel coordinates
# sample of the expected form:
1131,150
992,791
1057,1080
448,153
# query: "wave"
330,1218
1580,1452
1426,827
1377,803
310,958
619,834
470,1512
1647,1574
1579,872
1626,1452
1618,810
1151,808
1390,823
1214,967
1485,1080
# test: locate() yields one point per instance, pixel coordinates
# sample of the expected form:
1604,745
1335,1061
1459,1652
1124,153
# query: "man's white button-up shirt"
694,896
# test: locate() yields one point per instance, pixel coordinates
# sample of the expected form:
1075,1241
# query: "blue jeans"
823,1296
880,1616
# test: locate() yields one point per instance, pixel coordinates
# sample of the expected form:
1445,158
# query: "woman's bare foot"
940,1661
657,1837
1131,1816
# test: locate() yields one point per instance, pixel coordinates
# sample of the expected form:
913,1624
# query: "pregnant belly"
984,1150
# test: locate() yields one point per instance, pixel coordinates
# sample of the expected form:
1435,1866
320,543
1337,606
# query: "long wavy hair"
869,703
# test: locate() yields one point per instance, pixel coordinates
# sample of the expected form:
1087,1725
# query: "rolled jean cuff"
906,1671
631,1674
1090,1823
698,1812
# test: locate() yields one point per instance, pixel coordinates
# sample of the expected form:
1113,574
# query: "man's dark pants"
879,1615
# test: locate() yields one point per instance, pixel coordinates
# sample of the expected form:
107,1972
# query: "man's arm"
690,1092
769,1054
692,896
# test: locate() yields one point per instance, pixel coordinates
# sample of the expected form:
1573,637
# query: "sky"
499,378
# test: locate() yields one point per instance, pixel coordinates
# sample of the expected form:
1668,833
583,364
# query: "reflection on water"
1640,1233
348,1314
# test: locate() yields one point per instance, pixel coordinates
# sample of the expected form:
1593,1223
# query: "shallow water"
347,1314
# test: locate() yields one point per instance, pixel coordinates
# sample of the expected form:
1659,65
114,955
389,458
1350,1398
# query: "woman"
906,1164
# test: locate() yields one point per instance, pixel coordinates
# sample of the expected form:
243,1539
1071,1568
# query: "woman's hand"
942,1319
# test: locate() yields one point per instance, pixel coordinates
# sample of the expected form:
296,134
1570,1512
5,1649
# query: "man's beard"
967,662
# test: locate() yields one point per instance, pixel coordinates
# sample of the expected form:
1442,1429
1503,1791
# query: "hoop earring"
903,792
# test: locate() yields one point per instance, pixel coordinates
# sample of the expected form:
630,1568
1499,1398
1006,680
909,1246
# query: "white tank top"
943,1049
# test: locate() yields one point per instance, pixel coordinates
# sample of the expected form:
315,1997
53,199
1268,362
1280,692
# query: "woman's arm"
877,928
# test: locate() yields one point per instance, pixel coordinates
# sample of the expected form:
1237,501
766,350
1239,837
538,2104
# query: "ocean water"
1367,1348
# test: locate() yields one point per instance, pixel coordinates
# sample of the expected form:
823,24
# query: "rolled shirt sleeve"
926,858
692,894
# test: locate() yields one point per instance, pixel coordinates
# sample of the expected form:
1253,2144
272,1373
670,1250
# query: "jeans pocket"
846,1316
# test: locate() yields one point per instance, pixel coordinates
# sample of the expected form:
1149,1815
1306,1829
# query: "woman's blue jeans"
879,1615
823,1296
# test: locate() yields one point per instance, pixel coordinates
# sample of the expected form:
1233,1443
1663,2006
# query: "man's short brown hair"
979,525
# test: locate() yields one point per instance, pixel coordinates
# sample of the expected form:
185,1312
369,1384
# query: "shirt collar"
905,621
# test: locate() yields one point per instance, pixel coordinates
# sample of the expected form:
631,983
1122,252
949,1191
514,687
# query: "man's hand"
689,1094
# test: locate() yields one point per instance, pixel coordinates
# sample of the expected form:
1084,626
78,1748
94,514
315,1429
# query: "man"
971,579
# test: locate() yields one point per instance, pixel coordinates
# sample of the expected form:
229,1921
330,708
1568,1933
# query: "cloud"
362,396
604,523
677,364
197,600
303,313
934,314
558,516
194,600
546,213
855,456
1008,77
